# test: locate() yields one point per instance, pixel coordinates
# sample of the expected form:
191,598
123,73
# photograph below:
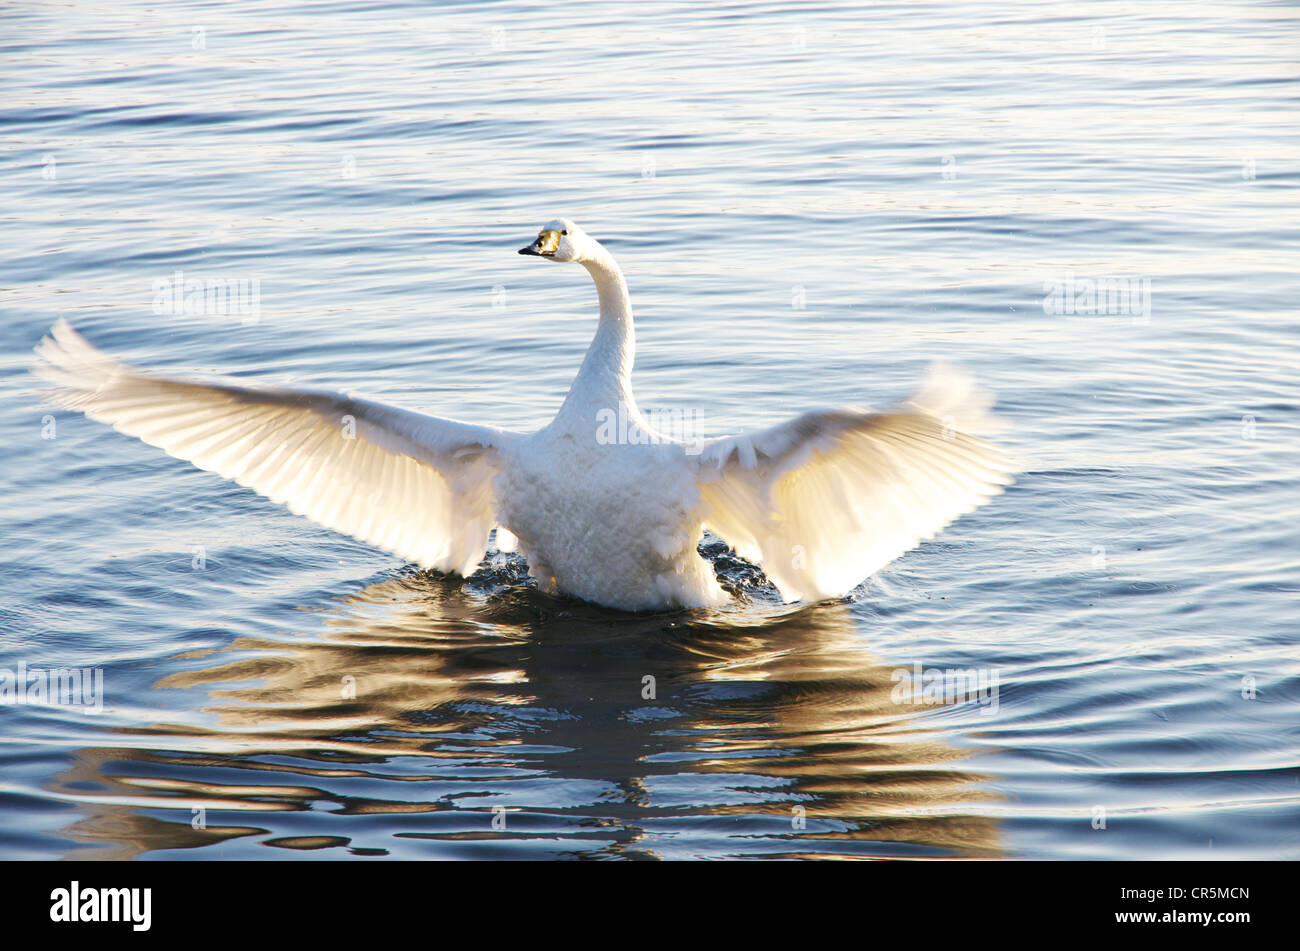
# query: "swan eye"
564,232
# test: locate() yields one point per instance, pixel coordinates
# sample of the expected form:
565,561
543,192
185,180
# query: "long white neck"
605,378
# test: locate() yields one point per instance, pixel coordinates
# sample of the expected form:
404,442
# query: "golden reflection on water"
419,680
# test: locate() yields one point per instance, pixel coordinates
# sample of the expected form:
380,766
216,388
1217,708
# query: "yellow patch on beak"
547,242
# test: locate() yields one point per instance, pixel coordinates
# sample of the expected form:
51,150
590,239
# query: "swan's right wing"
825,500
415,485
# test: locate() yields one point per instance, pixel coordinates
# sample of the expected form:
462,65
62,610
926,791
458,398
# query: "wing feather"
416,485
825,500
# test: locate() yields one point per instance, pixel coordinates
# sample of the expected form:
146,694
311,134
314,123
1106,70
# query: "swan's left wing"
416,485
825,500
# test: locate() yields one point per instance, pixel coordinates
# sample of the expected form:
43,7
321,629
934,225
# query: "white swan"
609,514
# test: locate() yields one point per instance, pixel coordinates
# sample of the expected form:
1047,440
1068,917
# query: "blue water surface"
811,202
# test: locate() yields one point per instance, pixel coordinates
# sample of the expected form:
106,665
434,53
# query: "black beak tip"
528,250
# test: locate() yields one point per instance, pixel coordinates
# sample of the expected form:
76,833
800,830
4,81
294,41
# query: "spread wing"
825,500
415,485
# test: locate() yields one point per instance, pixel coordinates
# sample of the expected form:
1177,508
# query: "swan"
611,515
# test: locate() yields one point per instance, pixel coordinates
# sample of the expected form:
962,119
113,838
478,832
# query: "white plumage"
612,515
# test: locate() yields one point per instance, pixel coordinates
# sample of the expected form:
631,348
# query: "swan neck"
614,347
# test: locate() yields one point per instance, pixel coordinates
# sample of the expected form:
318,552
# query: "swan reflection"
435,718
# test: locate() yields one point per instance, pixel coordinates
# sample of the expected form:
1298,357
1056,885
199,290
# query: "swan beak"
544,246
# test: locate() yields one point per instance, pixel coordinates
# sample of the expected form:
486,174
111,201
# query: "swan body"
608,514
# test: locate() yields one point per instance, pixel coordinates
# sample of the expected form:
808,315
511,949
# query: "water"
811,202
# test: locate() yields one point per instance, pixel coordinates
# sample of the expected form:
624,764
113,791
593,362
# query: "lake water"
811,202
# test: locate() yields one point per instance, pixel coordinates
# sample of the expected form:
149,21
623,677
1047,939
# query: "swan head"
562,240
